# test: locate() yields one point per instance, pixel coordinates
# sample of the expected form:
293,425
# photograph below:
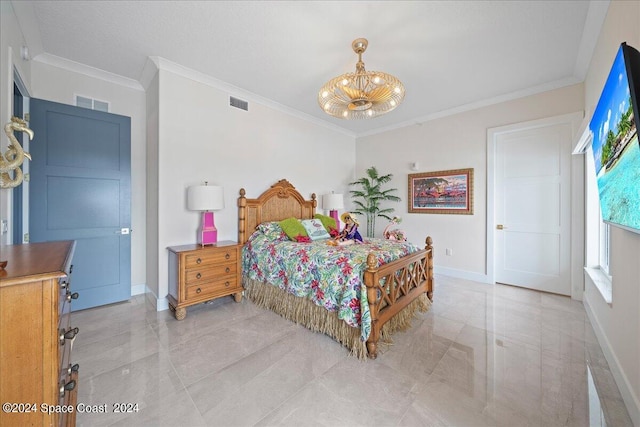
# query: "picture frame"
441,192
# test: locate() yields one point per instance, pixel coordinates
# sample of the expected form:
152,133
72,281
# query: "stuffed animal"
394,234
349,233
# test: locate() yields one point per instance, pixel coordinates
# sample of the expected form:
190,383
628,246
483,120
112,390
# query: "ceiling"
450,55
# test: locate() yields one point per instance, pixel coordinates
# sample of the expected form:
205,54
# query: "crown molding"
149,71
87,70
475,105
172,67
592,26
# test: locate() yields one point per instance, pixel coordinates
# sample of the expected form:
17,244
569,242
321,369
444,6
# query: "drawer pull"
73,368
199,261
227,270
198,290
67,387
68,335
198,276
227,283
70,296
227,256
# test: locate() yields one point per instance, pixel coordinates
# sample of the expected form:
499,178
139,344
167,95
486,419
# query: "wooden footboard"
393,286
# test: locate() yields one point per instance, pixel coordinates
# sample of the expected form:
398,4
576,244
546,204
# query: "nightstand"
202,273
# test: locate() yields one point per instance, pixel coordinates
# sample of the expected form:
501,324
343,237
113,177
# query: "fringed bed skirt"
318,319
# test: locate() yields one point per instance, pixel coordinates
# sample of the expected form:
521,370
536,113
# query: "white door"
532,206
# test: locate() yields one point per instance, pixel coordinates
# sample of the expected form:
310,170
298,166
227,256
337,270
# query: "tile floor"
482,356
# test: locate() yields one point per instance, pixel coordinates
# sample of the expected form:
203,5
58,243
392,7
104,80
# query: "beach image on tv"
616,150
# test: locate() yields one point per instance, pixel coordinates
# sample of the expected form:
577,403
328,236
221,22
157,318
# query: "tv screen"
614,142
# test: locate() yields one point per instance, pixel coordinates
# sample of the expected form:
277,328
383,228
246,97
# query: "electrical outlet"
449,251
4,226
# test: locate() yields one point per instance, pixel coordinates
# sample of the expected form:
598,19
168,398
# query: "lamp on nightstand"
206,198
332,202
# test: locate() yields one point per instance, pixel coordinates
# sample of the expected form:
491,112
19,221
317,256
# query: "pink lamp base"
334,214
208,233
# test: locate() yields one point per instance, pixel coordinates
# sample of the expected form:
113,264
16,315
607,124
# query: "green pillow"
292,228
327,221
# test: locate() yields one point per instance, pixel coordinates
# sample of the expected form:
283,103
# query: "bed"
394,279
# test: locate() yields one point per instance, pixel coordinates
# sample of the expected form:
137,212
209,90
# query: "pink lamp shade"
206,198
332,202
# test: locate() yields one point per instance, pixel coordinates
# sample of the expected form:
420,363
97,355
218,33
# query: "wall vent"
92,104
238,103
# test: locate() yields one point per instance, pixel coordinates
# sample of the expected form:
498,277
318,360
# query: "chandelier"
363,94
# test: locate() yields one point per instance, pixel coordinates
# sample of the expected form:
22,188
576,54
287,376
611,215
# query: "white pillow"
315,229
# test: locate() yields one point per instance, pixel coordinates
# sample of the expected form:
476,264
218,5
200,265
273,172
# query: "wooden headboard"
279,202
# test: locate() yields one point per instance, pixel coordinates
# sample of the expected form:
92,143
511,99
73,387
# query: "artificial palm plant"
370,195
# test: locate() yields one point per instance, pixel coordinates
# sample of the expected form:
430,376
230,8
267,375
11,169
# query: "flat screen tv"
614,142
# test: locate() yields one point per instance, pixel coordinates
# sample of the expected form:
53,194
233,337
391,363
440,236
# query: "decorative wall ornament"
13,158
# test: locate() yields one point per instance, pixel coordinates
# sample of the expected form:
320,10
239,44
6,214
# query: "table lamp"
206,198
332,202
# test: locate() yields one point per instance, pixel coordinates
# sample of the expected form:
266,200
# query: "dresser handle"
67,387
198,290
226,270
198,261
227,283
73,368
74,295
68,335
227,256
198,276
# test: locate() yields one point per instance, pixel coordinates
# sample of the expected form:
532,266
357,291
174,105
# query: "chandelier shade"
363,94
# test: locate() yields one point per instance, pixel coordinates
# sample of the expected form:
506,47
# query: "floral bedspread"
330,276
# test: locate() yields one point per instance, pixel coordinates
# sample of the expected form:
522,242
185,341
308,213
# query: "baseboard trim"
139,289
628,396
461,274
160,304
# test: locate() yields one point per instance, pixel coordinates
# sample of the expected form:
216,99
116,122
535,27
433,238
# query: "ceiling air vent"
238,103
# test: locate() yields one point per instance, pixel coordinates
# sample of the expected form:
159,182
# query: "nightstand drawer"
210,257
212,287
200,275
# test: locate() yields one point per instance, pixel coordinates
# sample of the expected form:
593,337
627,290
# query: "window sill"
602,282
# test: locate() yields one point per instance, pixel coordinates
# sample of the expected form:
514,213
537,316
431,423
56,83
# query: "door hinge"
25,238
27,117
27,177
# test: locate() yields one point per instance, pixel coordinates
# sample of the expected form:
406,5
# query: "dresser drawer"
203,258
200,275
212,288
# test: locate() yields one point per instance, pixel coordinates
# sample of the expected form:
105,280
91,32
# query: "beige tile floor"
482,356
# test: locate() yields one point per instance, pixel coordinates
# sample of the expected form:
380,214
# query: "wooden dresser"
38,383
198,274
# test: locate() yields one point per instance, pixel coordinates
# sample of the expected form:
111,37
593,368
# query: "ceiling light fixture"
363,94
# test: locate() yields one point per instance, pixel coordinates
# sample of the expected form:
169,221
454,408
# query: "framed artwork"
442,192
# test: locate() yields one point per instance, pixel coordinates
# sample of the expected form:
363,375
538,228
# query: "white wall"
59,85
201,138
618,324
455,142
153,126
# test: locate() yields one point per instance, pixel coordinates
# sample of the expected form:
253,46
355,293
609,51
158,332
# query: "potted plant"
369,196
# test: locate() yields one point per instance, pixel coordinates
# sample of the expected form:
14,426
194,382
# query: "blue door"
80,189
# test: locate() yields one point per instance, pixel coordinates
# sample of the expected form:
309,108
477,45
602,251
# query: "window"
597,233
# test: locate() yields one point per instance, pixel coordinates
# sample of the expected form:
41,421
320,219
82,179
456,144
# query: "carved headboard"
279,202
